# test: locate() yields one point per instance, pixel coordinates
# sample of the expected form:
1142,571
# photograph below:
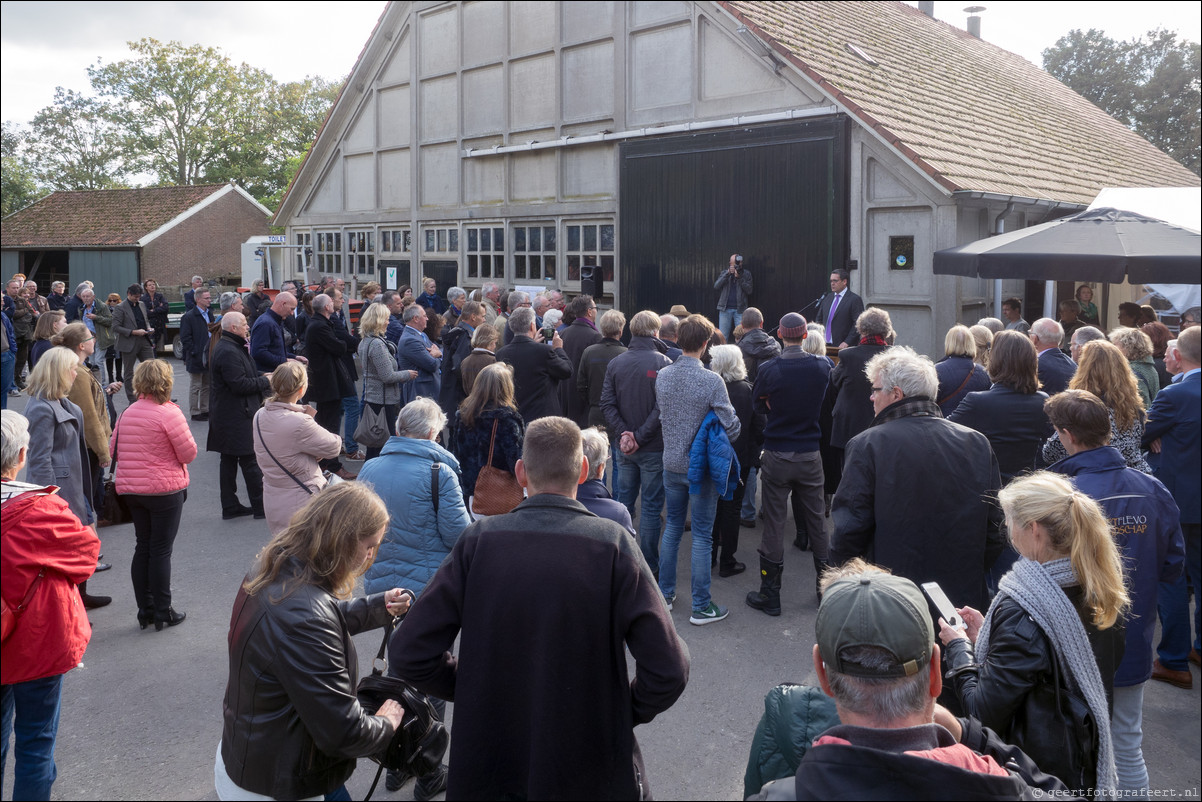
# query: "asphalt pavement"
141,719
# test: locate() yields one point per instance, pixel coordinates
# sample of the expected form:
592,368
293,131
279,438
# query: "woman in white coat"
288,444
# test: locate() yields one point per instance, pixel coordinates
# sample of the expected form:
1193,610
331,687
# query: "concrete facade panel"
362,134
532,93
396,179
481,23
586,20
398,70
484,180
484,101
327,197
650,13
533,176
661,68
395,117
439,175
438,52
590,172
361,182
532,27
439,109
588,81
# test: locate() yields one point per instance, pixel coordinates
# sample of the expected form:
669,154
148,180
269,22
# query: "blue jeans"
8,361
613,470
643,472
748,511
351,406
705,508
727,320
1173,605
35,706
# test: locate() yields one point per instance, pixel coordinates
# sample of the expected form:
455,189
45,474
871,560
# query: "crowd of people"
528,467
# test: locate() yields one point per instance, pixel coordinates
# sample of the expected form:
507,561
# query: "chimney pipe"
927,7
974,20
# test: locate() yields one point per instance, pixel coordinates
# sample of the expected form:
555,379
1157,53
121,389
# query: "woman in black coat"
159,308
727,362
329,379
852,390
236,391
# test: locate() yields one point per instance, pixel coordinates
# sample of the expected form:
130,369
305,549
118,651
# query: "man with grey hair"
592,492
877,658
918,490
538,367
75,303
632,417
490,296
237,390
57,299
992,323
668,326
416,352
1056,368
190,295
494,591
516,300
540,304
1082,336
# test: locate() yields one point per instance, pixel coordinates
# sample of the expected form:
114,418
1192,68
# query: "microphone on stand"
816,303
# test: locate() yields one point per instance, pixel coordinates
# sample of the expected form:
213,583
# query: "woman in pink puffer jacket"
152,447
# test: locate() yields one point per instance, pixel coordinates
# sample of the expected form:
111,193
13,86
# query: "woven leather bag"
497,491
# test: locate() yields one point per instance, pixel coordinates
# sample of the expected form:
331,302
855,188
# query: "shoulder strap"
971,370
259,429
434,468
492,441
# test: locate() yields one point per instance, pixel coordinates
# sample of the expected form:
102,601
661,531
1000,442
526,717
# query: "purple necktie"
831,317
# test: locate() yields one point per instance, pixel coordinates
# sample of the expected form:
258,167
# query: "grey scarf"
1037,589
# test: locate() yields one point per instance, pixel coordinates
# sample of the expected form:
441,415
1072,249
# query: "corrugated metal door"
776,194
109,271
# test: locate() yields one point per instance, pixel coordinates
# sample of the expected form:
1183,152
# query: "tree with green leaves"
75,145
1151,84
18,185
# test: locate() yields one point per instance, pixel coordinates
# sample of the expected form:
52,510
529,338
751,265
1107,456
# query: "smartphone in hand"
943,604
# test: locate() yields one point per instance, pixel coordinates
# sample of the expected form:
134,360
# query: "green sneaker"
709,615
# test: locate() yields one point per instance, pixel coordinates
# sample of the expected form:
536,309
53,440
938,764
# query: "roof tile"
971,114
99,218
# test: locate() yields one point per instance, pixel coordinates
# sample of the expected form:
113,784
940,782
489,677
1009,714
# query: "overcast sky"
49,44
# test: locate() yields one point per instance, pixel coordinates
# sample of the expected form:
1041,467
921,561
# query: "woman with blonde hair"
487,420
88,394
153,445
381,379
484,353
1137,348
288,444
1103,370
293,727
983,337
959,372
1055,628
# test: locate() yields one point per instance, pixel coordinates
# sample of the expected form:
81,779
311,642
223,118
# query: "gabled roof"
108,217
966,112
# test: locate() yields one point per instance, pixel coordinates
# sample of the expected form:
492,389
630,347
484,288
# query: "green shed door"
109,271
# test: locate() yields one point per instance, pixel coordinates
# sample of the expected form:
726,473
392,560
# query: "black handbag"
115,510
419,744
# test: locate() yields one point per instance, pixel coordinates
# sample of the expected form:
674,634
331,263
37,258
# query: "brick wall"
209,244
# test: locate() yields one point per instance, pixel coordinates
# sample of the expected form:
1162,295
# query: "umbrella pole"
997,299
1049,300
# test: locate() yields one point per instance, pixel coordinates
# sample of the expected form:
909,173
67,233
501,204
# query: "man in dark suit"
1174,430
577,337
416,352
194,336
1056,368
537,367
839,310
329,380
237,391
133,331
190,295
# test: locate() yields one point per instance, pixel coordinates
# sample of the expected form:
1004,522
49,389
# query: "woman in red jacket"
152,446
47,552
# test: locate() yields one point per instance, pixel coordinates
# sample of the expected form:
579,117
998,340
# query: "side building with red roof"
114,237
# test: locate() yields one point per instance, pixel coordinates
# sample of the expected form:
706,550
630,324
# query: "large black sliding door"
777,194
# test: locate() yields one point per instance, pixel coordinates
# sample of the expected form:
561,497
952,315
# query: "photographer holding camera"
734,286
